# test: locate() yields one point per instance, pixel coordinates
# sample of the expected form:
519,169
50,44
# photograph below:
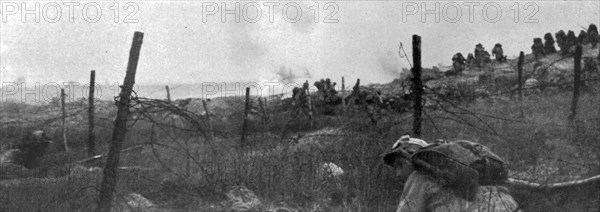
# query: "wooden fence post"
246,111
266,107
417,86
168,93
266,111
172,123
598,71
212,136
343,91
64,118
520,75
310,108
576,81
91,135
109,179
264,114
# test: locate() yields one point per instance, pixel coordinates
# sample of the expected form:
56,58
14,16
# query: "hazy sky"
179,47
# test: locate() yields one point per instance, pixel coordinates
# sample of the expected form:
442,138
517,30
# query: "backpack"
461,165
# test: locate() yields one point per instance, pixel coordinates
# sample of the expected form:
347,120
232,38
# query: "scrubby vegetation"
184,166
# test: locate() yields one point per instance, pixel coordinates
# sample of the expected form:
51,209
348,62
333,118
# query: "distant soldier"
479,54
300,98
532,87
487,58
303,95
592,28
537,48
320,89
356,88
571,42
561,40
470,59
326,91
582,39
328,87
333,90
354,97
458,62
298,95
28,152
590,71
593,35
499,53
549,44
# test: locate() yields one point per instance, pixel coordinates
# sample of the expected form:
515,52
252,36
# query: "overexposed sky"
179,47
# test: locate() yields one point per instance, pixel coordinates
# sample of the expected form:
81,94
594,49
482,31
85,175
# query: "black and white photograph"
299,106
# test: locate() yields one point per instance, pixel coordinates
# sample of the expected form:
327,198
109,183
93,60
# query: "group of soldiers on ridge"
479,58
565,41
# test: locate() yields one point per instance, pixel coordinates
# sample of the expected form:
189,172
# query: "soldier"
327,87
582,39
29,151
593,35
305,86
333,90
320,89
428,190
470,59
532,87
571,42
479,54
590,71
354,97
549,44
403,165
487,58
499,53
592,28
327,92
299,95
537,48
458,62
561,40
356,87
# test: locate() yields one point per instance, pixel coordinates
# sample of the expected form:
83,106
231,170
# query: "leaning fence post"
266,111
91,136
598,70
109,179
64,118
264,114
172,123
576,79
168,93
343,91
212,137
520,75
246,111
417,85
310,108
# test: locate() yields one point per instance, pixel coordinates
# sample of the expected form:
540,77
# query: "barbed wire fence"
292,165
217,168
